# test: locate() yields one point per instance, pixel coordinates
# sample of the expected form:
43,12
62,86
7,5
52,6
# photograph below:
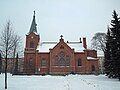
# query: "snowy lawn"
70,82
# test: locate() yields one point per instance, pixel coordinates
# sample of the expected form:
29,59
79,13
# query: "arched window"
93,68
67,60
56,60
30,62
31,44
62,63
79,62
62,54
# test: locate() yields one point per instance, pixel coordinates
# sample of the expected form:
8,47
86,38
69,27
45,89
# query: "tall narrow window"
62,63
93,68
43,63
56,60
31,44
30,62
67,60
79,62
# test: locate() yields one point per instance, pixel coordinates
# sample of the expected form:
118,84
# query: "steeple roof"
33,25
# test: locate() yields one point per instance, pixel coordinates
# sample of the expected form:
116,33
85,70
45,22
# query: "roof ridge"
73,42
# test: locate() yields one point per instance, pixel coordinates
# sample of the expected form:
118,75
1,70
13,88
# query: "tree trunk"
6,67
6,72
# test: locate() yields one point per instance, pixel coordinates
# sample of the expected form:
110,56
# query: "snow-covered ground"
70,82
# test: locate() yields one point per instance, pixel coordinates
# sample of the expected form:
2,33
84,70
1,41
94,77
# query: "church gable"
62,46
61,56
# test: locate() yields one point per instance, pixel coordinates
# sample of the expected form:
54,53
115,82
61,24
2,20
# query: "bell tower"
32,38
32,41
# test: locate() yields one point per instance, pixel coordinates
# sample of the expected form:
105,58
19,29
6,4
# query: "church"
57,58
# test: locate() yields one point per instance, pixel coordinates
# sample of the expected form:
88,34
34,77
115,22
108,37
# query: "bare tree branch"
98,41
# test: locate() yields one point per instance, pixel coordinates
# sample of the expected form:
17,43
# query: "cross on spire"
34,12
61,36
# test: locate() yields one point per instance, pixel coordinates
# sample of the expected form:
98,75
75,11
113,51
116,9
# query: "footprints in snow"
67,85
89,83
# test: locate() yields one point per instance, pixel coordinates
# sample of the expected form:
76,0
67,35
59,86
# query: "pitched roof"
77,46
33,25
45,46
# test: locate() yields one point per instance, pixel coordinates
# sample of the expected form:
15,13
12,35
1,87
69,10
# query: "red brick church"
57,57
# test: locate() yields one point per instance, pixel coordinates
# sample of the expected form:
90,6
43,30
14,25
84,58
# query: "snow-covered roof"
33,32
45,46
78,47
91,58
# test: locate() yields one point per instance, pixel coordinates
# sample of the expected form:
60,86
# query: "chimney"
84,43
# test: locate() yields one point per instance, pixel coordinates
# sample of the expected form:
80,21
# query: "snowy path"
71,82
80,84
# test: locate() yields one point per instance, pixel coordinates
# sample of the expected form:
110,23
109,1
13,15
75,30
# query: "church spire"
33,25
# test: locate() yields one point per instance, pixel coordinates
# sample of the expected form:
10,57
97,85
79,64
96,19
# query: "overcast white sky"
71,18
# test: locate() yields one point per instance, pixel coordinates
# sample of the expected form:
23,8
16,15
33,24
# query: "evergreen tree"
16,65
118,49
0,63
112,53
107,54
115,44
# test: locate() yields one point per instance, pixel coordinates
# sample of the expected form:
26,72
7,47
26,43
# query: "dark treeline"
112,51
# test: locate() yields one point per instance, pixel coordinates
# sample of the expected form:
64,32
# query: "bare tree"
8,42
99,41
